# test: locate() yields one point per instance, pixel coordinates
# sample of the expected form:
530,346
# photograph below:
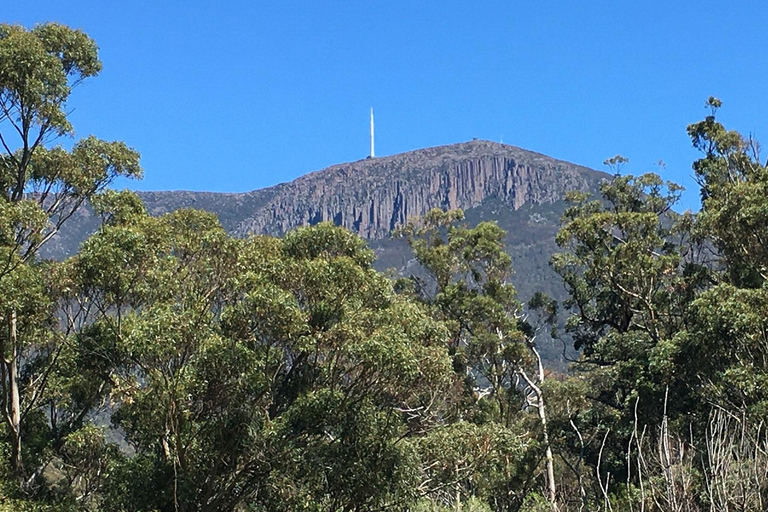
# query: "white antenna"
372,152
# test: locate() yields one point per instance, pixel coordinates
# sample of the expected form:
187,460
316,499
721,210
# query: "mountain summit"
372,196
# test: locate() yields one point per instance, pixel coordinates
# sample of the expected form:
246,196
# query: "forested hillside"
268,373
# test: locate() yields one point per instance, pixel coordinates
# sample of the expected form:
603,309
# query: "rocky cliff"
372,196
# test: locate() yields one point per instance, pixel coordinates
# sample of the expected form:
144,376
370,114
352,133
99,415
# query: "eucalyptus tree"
277,374
669,311
41,186
652,291
632,269
466,283
730,317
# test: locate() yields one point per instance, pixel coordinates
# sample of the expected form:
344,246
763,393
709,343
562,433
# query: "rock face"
371,197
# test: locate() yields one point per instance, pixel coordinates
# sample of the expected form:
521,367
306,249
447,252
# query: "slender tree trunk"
543,417
458,491
13,398
550,461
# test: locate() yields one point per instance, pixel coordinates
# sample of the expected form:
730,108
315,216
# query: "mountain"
522,190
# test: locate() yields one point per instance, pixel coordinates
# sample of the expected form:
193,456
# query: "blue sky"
238,95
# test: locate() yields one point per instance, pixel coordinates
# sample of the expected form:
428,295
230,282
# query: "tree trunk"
550,462
458,491
13,400
552,491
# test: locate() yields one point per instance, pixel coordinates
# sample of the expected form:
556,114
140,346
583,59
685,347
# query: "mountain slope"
520,189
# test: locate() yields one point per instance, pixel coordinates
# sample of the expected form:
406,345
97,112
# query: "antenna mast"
372,152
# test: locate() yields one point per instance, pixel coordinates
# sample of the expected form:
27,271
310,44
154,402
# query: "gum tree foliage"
41,186
669,309
631,269
466,284
643,281
498,370
730,327
267,372
669,312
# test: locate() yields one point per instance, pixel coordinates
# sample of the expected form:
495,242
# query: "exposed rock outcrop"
373,196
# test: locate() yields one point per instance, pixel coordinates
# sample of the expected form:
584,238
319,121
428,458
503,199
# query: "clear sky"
237,95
